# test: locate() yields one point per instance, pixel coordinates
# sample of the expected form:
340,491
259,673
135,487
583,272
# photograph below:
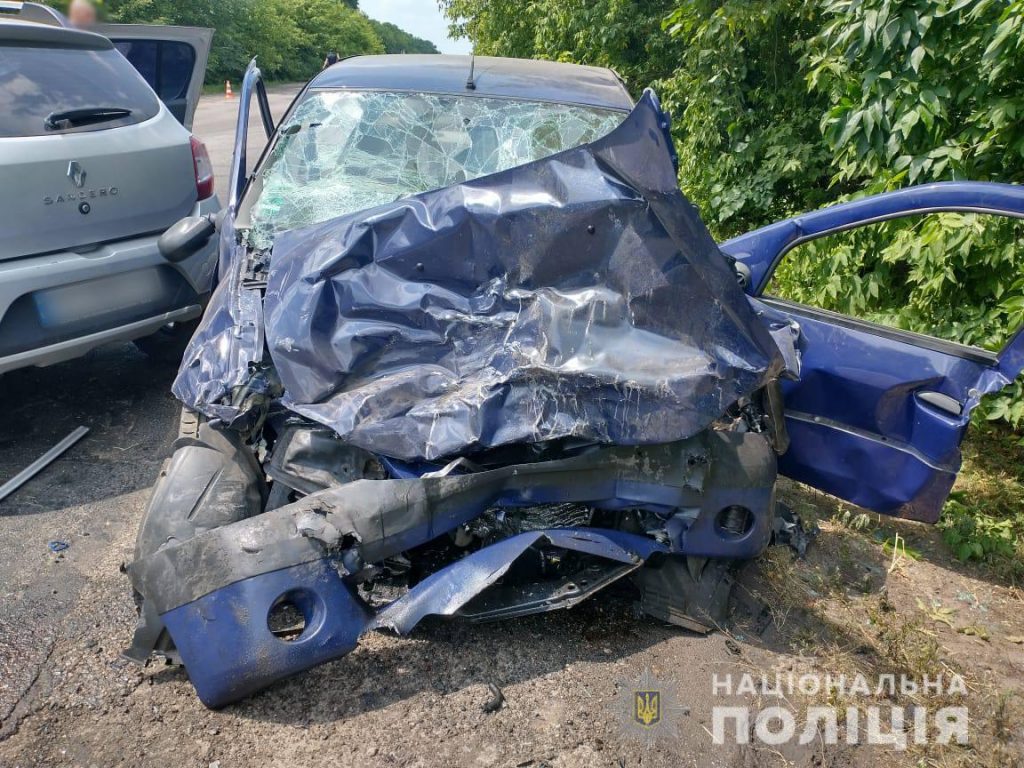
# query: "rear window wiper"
69,118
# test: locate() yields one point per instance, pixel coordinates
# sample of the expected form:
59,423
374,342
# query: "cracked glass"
345,151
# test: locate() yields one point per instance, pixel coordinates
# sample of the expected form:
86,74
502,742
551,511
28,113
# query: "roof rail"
34,12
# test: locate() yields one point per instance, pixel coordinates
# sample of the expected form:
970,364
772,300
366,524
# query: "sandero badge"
473,354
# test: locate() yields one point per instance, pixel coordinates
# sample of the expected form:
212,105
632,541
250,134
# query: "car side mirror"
186,238
743,274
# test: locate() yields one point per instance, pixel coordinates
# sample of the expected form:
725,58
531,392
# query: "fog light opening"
291,615
735,521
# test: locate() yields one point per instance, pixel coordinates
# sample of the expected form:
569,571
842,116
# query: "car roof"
526,79
31,33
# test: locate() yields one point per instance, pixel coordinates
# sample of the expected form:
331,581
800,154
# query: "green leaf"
916,57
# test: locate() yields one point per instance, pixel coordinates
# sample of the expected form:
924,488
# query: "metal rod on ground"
41,463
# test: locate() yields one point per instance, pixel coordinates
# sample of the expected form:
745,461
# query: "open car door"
879,413
171,59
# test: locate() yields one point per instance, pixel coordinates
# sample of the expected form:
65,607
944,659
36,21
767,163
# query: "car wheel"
168,344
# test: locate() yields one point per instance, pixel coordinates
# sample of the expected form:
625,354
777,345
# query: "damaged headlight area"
485,401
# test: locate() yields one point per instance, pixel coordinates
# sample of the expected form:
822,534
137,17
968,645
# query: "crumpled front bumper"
214,591
230,653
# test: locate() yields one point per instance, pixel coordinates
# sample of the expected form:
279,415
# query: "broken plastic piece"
691,593
789,530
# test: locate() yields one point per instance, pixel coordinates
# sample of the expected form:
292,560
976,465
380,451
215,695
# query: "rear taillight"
204,169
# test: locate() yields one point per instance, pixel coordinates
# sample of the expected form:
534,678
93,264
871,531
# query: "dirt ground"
67,698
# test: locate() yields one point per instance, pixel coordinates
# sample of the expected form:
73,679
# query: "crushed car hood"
579,296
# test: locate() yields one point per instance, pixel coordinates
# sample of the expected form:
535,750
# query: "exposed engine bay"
490,400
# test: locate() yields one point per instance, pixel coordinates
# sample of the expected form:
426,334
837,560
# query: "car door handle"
942,402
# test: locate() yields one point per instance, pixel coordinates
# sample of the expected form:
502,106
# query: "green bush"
973,535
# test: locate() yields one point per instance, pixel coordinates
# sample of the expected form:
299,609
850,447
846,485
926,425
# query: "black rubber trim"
962,351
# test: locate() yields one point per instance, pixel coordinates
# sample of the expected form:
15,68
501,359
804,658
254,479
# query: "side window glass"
176,63
953,276
166,65
144,56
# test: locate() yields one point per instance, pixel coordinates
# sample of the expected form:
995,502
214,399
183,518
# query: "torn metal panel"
228,344
450,590
578,296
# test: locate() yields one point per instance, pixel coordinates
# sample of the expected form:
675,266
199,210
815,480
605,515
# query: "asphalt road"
215,123
68,698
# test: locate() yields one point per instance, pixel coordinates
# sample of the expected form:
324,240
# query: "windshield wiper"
69,118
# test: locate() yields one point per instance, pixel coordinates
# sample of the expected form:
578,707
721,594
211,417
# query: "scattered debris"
496,701
41,463
790,530
732,648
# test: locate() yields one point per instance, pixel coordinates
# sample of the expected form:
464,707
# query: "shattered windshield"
344,151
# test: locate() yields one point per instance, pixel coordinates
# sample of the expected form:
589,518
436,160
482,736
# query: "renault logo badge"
76,173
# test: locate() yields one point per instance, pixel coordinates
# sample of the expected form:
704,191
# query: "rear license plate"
73,304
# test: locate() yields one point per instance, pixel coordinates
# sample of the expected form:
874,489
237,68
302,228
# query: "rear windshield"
38,82
344,151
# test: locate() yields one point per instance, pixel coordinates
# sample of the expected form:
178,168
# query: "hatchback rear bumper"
59,306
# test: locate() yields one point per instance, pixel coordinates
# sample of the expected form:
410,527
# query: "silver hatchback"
94,166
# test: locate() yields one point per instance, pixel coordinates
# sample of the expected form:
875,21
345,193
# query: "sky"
419,17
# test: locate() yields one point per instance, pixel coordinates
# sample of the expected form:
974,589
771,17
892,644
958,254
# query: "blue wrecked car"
473,354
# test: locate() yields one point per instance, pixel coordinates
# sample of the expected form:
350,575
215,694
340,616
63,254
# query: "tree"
397,40
289,37
921,90
746,127
625,35
495,27
323,26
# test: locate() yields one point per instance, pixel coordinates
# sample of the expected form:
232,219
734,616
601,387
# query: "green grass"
983,520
